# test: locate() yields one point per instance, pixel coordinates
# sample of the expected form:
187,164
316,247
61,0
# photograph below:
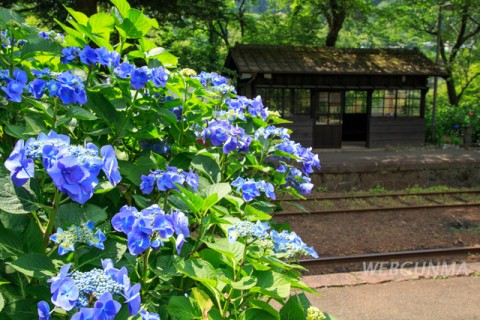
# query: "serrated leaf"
134,171
207,165
34,265
122,5
254,214
203,301
256,314
11,243
33,237
15,200
81,114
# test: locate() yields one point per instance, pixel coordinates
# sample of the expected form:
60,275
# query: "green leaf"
101,24
134,171
122,6
34,265
113,250
256,314
295,308
15,200
33,237
141,201
221,189
16,131
165,267
6,15
202,300
259,304
104,109
254,214
80,17
2,302
208,165
198,269
272,284
232,250
37,46
35,125
244,283
183,308
81,113
11,243
181,161
166,58
71,213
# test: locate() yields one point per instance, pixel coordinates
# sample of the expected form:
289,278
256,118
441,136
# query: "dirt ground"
342,234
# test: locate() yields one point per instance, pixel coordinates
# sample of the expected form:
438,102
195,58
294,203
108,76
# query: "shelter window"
287,102
396,103
329,108
355,102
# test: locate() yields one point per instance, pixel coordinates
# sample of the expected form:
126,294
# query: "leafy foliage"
137,189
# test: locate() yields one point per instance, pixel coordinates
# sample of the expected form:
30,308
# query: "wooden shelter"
376,96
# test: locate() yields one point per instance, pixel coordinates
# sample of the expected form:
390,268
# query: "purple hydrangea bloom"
15,86
84,314
167,180
149,315
124,220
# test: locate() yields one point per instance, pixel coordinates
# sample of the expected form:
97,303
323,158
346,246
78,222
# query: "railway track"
390,202
383,202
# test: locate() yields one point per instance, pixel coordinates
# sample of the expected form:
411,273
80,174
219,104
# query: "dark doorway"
355,119
327,132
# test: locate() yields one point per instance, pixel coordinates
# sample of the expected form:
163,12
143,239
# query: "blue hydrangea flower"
124,70
43,309
247,229
37,88
73,169
291,244
149,315
66,294
105,307
139,78
88,55
159,77
78,234
16,85
132,296
69,54
150,227
21,168
221,132
84,314
167,179
250,189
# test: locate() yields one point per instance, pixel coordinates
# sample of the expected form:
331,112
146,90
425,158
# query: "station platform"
421,292
356,168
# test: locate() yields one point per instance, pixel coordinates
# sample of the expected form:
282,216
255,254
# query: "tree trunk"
452,92
336,15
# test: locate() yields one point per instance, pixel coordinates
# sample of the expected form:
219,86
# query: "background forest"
200,32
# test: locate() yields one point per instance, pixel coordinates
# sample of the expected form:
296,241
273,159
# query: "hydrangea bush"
135,189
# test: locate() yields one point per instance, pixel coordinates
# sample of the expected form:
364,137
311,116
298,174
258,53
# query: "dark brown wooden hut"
376,96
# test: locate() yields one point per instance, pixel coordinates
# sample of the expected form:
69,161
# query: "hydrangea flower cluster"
282,242
217,82
221,132
272,131
92,292
167,180
73,169
15,85
307,158
150,227
253,107
78,234
65,85
90,56
250,189
296,179
140,76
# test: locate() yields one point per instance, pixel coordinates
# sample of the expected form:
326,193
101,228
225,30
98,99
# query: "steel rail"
390,255
366,196
376,209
